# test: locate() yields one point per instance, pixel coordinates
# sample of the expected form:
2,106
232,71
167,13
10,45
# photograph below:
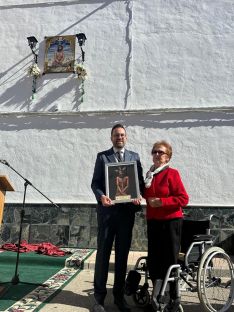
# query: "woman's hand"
137,201
154,202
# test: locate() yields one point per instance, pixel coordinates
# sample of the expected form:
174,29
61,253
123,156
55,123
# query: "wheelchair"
202,267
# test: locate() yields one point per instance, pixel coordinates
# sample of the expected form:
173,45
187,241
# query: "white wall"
183,53
173,59
57,153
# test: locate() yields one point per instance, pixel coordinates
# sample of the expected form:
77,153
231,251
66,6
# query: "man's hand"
106,201
137,201
154,202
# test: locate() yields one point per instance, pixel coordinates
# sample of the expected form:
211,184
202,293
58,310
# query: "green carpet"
34,268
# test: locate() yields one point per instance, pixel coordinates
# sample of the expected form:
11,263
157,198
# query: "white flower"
34,70
81,72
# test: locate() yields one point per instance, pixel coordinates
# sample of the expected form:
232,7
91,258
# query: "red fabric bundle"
41,248
50,250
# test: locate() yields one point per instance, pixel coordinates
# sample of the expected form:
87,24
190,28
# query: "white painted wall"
173,59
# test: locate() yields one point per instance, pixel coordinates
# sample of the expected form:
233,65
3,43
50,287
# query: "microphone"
4,162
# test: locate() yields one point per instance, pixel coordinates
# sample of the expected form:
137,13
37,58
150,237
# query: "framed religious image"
59,54
122,183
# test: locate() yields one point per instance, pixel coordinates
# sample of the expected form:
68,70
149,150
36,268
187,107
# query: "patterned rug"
73,265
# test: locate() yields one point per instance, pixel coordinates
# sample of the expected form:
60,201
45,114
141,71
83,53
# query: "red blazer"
167,186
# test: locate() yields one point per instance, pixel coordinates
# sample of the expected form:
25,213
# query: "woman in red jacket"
165,196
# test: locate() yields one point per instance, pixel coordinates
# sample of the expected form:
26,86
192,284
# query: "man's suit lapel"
111,155
127,155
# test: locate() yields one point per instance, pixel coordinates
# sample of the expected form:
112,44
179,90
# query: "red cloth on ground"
50,250
42,248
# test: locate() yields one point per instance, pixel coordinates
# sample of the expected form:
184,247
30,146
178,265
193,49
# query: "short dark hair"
118,125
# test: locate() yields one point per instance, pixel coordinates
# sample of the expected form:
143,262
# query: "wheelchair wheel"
180,309
141,297
215,272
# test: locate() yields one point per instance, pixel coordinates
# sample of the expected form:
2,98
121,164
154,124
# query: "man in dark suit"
115,222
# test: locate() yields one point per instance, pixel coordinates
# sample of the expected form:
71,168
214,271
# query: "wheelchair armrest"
213,216
203,237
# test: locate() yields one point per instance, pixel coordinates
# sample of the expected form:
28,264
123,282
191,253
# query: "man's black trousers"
115,224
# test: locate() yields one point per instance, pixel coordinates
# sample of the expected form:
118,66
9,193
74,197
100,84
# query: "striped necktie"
119,156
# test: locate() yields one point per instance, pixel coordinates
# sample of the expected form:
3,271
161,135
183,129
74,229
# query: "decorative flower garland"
34,70
81,72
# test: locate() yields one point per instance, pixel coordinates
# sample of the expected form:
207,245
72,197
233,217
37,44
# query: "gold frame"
59,54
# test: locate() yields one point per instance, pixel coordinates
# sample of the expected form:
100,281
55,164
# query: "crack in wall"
128,38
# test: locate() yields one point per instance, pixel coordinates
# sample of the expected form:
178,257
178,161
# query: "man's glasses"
159,152
116,135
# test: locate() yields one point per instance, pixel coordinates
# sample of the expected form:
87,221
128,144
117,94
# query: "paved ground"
78,294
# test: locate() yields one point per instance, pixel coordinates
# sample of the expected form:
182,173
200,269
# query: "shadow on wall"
54,3
14,94
106,120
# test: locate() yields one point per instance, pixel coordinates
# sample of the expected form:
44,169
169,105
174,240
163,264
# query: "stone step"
132,258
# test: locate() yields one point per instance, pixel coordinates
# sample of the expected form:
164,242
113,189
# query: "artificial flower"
81,72
34,70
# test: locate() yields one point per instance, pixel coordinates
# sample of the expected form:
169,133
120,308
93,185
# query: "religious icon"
59,54
122,181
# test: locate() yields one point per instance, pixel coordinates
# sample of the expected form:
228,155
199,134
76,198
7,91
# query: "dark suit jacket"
98,182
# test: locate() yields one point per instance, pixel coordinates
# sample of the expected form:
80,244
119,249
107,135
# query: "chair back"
191,228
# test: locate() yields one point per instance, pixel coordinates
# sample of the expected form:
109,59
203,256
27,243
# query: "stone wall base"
74,225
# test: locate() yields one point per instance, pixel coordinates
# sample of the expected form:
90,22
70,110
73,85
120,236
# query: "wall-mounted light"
32,42
81,40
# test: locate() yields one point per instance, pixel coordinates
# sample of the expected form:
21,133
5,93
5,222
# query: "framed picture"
59,54
122,183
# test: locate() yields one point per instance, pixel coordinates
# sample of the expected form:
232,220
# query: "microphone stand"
15,279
